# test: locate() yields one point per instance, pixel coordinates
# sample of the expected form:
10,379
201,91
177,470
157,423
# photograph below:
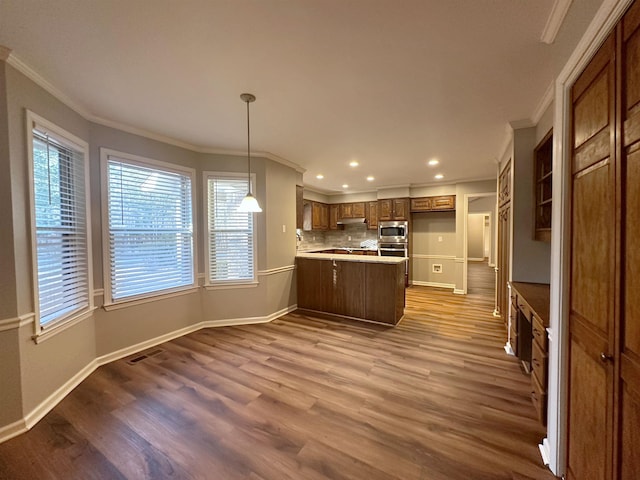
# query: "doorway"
479,210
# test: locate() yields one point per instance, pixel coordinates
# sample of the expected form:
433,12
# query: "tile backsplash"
348,236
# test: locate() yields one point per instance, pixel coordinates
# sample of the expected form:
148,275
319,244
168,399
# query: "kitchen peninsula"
360,287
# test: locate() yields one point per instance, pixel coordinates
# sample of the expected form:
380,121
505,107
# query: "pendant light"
249,202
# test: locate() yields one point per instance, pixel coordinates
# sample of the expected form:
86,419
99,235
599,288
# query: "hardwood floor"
434,398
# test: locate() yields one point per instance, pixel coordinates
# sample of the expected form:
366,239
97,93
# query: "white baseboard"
433,284
474,259
12,430
545,451
458,291
34,416
508,349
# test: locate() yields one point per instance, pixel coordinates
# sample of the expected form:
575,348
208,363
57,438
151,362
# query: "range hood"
351,221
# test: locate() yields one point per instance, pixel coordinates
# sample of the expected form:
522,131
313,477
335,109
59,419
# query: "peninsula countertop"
346,257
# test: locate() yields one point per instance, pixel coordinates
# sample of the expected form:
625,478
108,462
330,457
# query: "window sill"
148,298
228,286
55,328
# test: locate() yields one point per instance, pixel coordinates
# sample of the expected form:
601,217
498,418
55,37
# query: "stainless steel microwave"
393,232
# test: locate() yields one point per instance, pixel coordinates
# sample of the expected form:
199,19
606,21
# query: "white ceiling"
389,83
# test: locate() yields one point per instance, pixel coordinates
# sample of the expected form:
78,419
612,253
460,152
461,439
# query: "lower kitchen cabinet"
384,292
365,289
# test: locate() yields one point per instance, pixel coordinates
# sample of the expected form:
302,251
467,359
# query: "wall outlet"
440,239
436,268
284,228
349,238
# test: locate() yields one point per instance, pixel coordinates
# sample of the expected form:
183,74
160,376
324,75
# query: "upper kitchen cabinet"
433,204
372,215
316,216
542,185
334,215
393,209
299,207
352,210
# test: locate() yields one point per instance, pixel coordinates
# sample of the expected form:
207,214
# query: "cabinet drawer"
539,399
539,333
539,364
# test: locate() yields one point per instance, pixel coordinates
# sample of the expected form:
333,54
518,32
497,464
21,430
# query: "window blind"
231,251
61,227
150,229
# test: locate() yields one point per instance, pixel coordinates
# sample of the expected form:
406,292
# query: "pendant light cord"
248,150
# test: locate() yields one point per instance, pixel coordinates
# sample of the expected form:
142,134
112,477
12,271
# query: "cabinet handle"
605,357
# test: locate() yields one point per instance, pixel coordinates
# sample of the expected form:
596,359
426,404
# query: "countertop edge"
351,258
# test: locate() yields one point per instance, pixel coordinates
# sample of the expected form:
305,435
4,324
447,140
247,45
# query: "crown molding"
5,52
524,123
545,103
554,22
81,110
30,73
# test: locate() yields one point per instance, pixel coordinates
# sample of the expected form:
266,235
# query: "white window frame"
109,303
42,332
226,284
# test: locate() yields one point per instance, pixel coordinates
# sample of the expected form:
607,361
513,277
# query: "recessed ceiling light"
439,176
345,186
353,164
433,162
319,176
370,178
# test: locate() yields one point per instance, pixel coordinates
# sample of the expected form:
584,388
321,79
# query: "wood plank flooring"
435,398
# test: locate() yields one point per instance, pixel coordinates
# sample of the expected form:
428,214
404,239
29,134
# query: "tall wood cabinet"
604,313
504,250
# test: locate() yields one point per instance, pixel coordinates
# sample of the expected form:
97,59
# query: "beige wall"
531,259
8,299
545,123
35,376
433,238
475,236
11,390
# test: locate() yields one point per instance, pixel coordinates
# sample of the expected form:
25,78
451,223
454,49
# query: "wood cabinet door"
358,210
444,202
316,215
372,215
400,209
381,279
313,283
299,207
348,292
346,210
593,271
504,259
324,216
629,356
504,185
385,209
422,204
333,217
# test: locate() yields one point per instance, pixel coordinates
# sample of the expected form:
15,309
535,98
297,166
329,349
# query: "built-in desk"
528,337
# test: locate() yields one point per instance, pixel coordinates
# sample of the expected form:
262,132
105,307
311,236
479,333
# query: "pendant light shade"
249,202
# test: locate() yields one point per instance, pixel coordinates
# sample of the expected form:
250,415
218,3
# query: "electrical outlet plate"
436,268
